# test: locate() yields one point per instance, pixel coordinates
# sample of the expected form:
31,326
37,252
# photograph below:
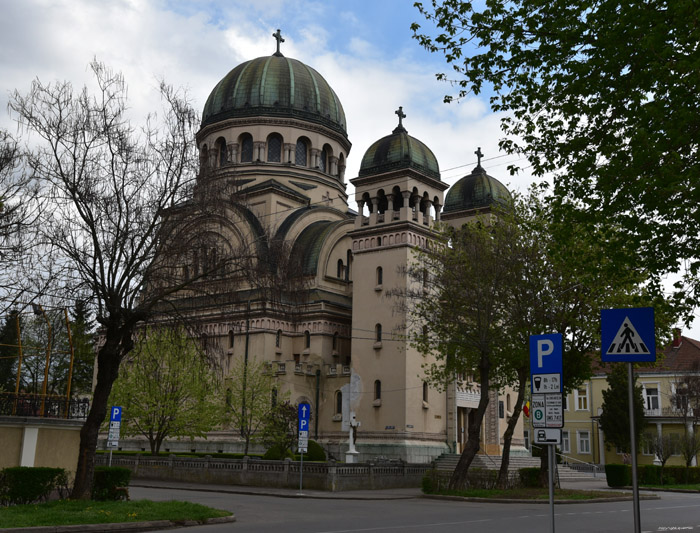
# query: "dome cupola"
477,190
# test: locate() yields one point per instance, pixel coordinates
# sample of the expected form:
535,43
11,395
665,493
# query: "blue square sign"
628,335
546,363
304,415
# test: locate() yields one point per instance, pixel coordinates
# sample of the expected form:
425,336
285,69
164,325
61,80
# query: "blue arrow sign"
304,416
628,335
115,414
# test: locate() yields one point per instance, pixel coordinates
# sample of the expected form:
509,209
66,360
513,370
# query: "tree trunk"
108,359
459,476
502,481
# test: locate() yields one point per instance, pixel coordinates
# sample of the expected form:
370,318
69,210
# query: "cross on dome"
479,155
401,116
278,36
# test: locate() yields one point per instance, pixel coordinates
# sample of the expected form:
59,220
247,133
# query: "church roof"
475,191
308,244
397,151
275,86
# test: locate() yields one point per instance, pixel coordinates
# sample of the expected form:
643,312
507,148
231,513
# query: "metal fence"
36,405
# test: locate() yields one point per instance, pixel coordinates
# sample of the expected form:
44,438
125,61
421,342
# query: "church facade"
274,139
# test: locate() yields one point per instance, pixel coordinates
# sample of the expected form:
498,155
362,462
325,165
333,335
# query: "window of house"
300,153
230,339
378,333
323,160
675,440
651,398
425,391
648,443
278,338
246,148
335,341
377,390
501,409
341,270
274,148
221,151
584,441
565,442
565,401
338,402
307,340
380,276
581,398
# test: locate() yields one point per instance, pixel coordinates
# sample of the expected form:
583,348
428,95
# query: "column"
373,214
334,165
259,151
406,210
360,213
289,149
233,152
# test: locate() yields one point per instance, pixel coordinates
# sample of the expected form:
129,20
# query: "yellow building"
582,438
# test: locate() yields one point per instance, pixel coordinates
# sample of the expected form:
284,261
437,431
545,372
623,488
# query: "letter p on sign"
544,347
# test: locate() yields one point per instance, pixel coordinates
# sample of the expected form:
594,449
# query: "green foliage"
615,420
427,484
108,481
167,388
279,426
613,118
650,475
530,477
249,395
23,484
618,475
277,453
315,452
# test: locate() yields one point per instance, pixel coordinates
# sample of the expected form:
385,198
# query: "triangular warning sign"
627,341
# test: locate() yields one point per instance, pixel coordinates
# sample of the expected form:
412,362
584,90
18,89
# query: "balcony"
666,412
33,405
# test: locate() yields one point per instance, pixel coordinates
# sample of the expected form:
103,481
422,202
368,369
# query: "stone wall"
280,474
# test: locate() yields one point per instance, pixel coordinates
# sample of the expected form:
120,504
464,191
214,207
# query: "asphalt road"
263,513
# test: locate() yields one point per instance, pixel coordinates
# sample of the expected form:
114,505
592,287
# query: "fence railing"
36,405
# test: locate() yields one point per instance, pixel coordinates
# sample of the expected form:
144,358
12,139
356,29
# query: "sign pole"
551,485
301,470
633,449
110,457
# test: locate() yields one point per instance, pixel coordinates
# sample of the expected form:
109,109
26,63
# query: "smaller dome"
475,191
399,150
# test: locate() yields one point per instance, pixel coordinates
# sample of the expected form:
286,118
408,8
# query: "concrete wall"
284,474
39,442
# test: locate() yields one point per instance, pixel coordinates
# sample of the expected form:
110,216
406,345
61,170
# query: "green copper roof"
396,151
275,86
307,245
474,191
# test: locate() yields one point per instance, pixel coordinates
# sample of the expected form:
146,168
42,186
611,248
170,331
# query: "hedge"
530,477
618,475
109,483
23,484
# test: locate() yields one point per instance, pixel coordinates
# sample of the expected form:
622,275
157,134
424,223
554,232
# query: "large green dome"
396,151
475,191
275,86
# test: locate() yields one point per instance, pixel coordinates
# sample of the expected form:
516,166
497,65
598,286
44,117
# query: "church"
274,132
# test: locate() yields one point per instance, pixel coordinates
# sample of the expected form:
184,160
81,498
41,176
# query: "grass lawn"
69,512
532,494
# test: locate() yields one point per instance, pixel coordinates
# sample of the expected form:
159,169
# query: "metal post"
110,457
633,448
301,470
552,462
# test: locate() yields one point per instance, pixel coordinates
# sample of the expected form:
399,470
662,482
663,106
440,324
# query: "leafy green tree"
279,427
250,389
167,388
9,352
602,95
615,420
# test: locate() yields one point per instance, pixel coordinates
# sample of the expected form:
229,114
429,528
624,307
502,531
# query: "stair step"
448,462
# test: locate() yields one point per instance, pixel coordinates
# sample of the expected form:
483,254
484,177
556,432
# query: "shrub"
276,453
650,474
618,475
316,452
427,483
109,482
530,477
24,484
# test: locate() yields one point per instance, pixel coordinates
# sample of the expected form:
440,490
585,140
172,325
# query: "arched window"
335,341
377,390
300,153
274,148
307,340
221,151
246,148
338,402
230,339
278,338
380,276
425,391
341,271
378,333
323,160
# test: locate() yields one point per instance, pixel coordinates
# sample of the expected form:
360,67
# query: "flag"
526,409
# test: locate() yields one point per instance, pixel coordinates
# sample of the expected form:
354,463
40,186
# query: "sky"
363,48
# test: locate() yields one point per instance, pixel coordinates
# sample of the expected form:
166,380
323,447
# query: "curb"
557,502
120,526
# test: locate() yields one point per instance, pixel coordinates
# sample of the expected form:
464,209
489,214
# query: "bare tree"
686,403
110,188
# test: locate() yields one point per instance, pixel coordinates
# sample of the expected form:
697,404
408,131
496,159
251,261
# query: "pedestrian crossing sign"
627,335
